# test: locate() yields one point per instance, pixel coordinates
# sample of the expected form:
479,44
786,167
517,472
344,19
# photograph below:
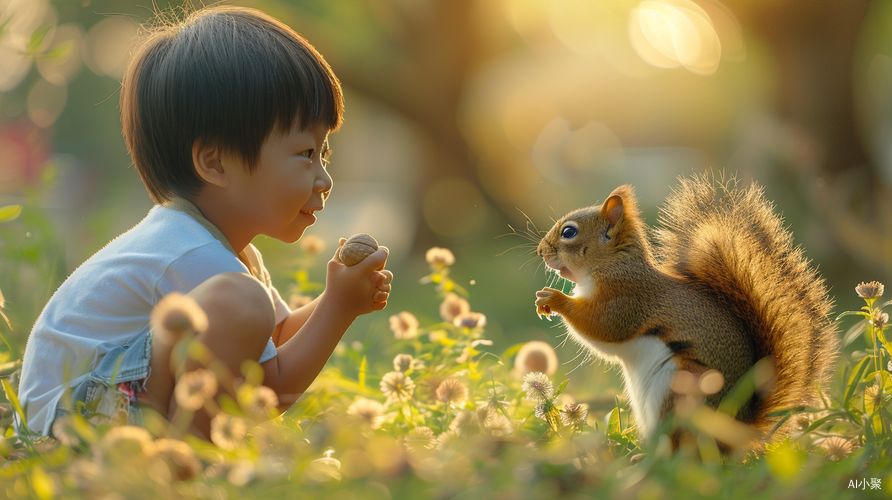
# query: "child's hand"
361,288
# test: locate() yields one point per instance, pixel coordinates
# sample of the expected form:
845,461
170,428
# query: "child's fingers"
381,278
376,261
388,277
379,301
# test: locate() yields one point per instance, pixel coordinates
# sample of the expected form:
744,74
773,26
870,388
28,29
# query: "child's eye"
325,156
308,153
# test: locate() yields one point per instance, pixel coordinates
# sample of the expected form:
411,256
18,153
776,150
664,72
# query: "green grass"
369,430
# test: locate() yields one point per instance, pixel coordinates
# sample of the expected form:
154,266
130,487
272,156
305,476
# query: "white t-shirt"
107,300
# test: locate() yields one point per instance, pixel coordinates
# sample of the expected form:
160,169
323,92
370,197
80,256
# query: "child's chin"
291,238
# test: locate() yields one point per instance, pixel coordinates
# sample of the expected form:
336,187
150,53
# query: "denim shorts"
108,395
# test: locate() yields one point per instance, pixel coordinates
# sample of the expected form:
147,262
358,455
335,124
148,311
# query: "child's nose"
323,183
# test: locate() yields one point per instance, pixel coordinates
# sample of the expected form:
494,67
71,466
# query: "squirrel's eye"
569,232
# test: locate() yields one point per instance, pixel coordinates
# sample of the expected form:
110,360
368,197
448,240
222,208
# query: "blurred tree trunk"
815,41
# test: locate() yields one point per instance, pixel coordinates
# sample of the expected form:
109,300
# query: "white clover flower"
195,388
369,412
452,390
439,258
261,401
397,386
420,438
176,315
453,306
538,386
228,432
404,325
470,320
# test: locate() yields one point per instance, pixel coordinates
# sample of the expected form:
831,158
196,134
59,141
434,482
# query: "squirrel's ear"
612,209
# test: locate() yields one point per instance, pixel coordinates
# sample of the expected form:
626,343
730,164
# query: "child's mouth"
309,214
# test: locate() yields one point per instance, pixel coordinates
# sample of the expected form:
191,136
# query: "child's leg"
240,322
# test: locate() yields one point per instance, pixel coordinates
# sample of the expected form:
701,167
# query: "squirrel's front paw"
544,301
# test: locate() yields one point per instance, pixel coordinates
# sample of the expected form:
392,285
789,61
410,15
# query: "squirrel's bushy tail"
731,243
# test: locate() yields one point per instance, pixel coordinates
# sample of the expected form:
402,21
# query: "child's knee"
237,302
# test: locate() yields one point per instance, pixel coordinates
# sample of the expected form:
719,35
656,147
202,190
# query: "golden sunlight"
675,33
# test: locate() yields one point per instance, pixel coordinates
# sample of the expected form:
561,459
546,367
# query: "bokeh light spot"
672,33
63,57
45,102
109,43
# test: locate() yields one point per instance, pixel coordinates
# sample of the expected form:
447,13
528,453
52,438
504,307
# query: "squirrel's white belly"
648,369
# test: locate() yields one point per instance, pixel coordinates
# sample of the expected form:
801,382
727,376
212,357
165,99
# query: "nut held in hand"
357,248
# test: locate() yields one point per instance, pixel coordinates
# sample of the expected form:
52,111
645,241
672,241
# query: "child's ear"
208,165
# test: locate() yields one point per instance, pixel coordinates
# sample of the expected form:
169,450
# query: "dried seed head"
572,414
879,319
357,248
452,390
872,290
538,386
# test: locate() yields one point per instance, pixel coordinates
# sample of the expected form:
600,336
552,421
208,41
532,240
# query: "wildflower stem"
877,356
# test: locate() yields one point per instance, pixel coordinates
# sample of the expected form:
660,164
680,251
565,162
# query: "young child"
226,117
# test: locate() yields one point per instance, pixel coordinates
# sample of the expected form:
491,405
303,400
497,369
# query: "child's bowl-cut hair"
228,77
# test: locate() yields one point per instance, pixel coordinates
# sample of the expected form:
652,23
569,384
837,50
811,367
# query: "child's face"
290,183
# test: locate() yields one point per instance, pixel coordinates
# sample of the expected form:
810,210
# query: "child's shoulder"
163,234
164,238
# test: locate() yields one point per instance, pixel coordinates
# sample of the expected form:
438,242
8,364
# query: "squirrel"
722,288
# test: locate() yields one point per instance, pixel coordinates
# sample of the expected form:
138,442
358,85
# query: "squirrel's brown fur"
722,289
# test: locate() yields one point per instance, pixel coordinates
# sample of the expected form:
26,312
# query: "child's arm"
309,335
298,317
